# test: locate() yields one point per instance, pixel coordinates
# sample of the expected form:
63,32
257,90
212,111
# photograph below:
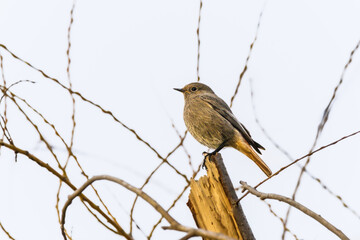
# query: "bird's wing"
223,109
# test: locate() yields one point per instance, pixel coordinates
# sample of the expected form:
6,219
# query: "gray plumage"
211,122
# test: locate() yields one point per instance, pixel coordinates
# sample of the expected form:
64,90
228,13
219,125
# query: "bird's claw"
207,155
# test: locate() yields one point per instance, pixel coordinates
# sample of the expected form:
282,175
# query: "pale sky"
128,56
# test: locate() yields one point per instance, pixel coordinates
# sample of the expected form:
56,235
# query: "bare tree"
62,161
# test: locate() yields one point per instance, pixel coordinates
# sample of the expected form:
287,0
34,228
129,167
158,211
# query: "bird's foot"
207,155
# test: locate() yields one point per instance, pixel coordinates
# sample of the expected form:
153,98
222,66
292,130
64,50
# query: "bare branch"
69,80
290,158
199,232
281,220
297,205
198,42
175,201
6,232
173,223
41,136
66,181
188,236
150,176
321,126
69,149
182,145
297,160
4,87
107,112
247,59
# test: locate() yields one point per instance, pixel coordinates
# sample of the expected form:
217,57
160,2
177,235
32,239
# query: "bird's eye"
193,89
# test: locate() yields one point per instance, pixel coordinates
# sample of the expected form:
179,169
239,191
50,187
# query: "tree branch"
297,160
297,205
67,182
174,225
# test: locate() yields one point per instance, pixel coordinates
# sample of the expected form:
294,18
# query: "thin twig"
4,86
69,81
5,90
321,126
70,152
6,232
41,136
107,112
281,220
6,132
299,206
301,158
182,145
198,43
188,236
290,158
247,58
147,180
173,223
175,201
32,157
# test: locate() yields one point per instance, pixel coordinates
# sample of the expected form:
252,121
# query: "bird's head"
193,89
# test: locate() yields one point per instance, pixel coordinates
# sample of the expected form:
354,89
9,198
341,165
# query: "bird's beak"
179,89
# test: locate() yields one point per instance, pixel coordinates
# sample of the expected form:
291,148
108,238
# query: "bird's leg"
222,145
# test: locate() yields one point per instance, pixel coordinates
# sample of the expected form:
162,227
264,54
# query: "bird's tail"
246,149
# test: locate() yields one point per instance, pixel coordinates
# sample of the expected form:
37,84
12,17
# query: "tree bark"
212,201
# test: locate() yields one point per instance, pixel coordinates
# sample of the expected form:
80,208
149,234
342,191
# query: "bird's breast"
206,125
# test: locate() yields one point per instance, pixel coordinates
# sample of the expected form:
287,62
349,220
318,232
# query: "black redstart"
211,122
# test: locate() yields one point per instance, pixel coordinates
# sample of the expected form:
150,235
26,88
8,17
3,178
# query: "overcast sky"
128,56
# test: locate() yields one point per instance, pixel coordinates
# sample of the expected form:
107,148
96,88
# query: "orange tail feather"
246,149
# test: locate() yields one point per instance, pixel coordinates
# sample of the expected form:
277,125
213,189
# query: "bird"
211,122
